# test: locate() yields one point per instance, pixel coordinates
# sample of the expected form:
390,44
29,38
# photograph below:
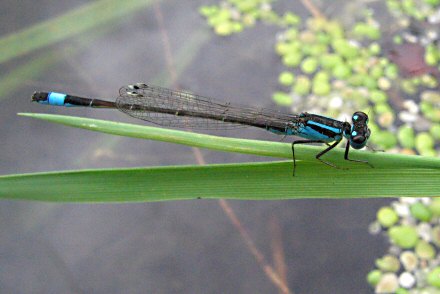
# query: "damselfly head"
360,132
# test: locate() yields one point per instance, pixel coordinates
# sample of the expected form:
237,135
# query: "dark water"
170,247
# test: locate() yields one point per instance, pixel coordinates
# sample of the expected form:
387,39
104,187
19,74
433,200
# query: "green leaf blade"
393,175
247,181
255,147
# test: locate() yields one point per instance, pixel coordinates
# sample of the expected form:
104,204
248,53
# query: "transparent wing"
172,108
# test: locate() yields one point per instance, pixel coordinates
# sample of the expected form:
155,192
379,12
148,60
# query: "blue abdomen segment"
310,132
55,99
313,127
318,131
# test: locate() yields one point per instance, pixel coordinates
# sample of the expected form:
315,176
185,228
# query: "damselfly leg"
318,156
347,148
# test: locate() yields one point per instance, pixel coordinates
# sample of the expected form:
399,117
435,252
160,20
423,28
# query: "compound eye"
368,133
360,117
358,139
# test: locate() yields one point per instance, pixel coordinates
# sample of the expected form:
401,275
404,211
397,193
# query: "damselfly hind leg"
347,148
330,147
317,155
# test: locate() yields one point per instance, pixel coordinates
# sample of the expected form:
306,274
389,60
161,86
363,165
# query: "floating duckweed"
364,30
384,139
233,16
386,119
246,5
388,263
397,40
356,80
408,6
307,37
317,50
281,48
330,60
237,27
424,142
374,48
415,81
208,11
286,78
321,76
270,16
384,83
344,48
382,108
432,2
406,136
387,284
292,34
248,20
316,23
431,58
292,59
434,206
387,217
373,277
425,250
384,62
323,38
224,29
434,277
282,98
378,96
420,212
376,72
357,95
426,107
435,234
370,82
309,65
223,15
391,71
409,260
418,15
409,87
435,131
302,85
431,97
430,153
413,9
433,114
341,71
321,88
290,18
404,236
429,81
335,29
359,65
402,291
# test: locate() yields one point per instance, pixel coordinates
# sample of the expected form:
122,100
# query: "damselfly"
172,108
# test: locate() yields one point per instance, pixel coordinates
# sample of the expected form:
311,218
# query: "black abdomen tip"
39,96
